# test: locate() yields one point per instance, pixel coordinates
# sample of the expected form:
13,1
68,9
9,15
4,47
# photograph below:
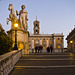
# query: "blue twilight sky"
55,16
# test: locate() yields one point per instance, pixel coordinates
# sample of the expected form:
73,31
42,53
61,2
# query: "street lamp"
71,44
15,45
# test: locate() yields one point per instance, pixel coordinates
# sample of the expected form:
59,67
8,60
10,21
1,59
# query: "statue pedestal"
22,39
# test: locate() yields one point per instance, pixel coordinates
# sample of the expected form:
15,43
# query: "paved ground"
45,64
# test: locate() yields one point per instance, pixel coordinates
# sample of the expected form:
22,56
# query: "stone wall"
8,60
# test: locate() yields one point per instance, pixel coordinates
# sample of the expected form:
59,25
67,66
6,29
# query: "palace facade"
71,41
36,39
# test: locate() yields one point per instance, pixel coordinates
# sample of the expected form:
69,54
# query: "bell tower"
36,27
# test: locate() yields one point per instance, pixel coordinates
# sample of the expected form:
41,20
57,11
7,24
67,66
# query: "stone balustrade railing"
8,60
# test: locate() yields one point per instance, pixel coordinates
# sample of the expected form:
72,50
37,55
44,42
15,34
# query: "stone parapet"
8,60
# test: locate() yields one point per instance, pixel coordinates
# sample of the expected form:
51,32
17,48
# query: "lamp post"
15,45
71,44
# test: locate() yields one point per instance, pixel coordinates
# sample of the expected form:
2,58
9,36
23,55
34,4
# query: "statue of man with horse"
22,21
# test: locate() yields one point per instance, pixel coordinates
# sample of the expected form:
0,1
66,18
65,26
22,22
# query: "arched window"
36,24
36,31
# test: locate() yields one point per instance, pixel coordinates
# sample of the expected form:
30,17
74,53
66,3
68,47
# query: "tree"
5,43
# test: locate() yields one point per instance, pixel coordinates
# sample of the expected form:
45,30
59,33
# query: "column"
32,43
54,43
40,42
47,43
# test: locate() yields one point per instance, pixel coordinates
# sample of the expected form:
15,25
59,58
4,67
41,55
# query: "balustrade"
8,60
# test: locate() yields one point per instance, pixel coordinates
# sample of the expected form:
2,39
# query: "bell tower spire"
36,18
36,27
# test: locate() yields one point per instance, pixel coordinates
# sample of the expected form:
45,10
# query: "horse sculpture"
12,16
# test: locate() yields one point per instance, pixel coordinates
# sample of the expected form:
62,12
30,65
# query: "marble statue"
12,16
22,33
23,18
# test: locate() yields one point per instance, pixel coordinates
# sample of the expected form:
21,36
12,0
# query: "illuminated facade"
56,40
71,41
